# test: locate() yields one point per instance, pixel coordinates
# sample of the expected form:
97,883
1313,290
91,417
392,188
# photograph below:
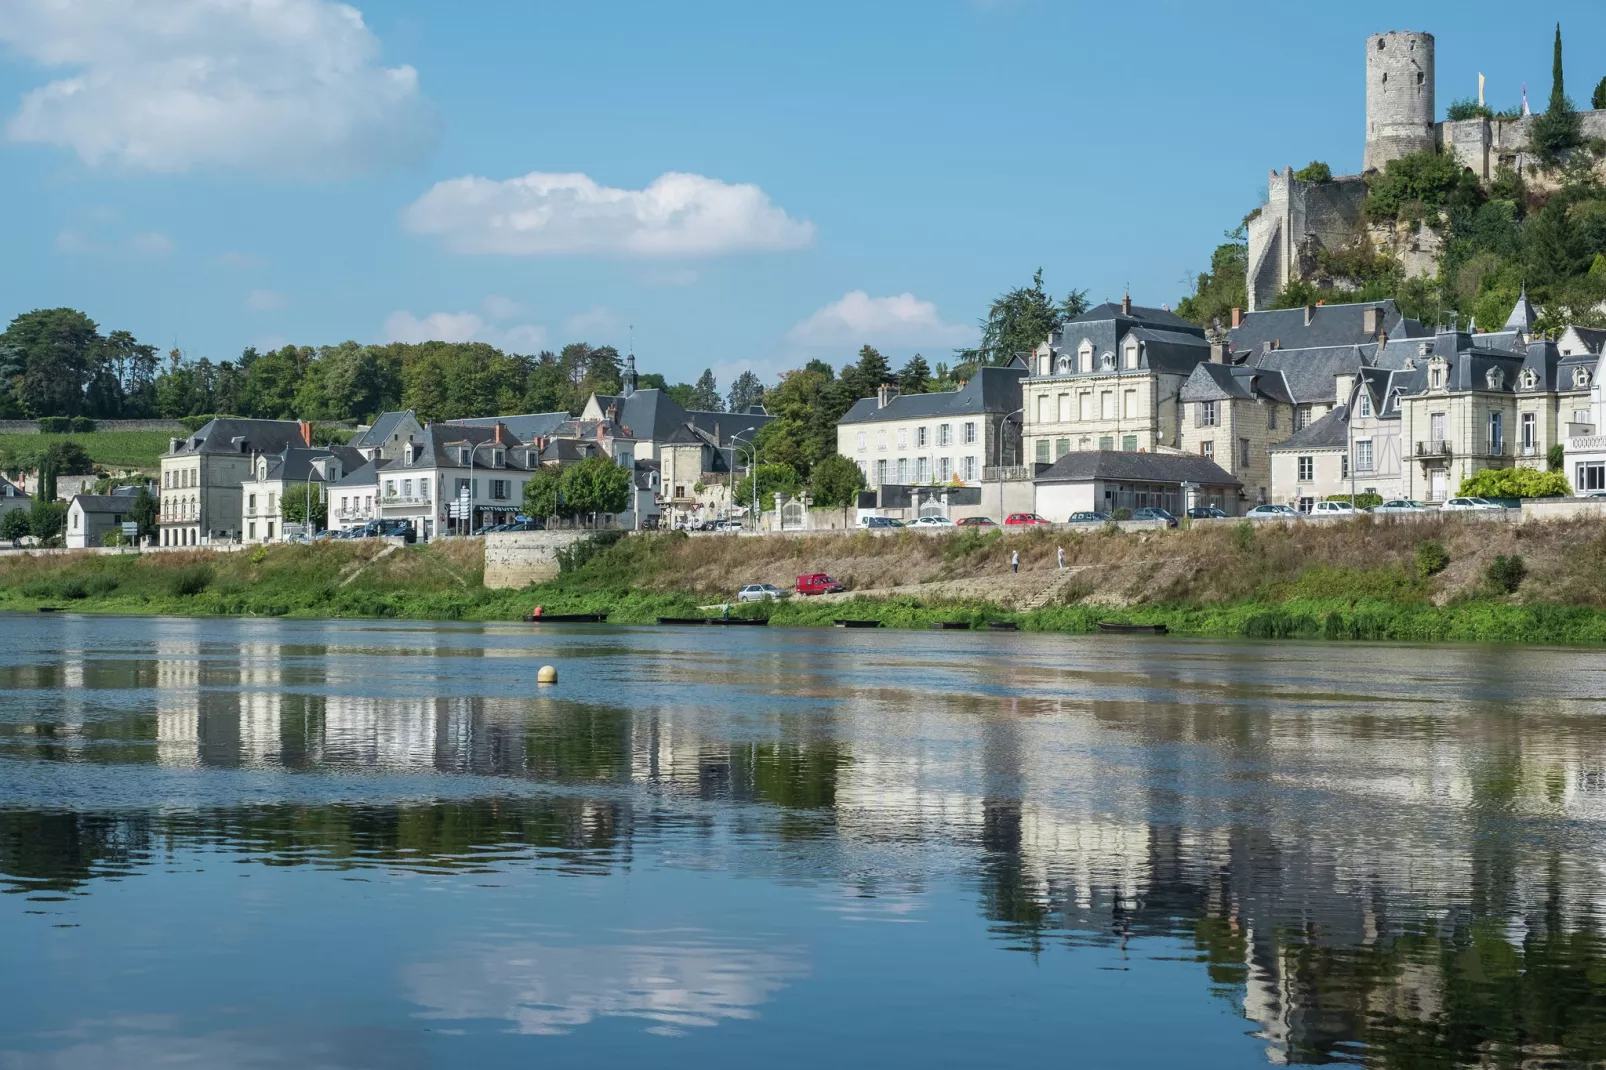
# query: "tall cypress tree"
1558,92
1557,130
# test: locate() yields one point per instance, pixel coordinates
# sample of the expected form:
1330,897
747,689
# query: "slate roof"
1085,465
1219,382
9,489
526,428
1170,343
380,431
1594,338
1523,313
440,442
1330,325
104,503
991,390
654,415
228,434
295,465
1311,375
1331,432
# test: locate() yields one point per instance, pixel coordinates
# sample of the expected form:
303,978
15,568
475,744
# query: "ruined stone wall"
1399,96
520,558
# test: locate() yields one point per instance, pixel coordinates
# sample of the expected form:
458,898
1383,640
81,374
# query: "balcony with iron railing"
390,500
1437,448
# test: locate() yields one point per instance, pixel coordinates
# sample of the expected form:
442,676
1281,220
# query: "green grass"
113,449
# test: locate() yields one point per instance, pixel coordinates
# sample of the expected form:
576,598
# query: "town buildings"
203,472
944,438
292,471
91,517
1108,480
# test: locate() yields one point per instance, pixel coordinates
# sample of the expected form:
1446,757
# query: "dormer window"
1107,361
1580,378
1528,379
1084,355
1063,367
1131,355
498,458
1365,405
1495,378
464,454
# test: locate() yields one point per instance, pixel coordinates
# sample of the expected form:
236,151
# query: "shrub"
82,425
100,586
1506,573
187,582
1467,108
574,557
1556,457
55,425
73,589
1419,184
1359,501
1243,536
1431,558
1515,483
1315,171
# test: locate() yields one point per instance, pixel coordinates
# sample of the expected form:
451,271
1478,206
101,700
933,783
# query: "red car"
1016,520
818,583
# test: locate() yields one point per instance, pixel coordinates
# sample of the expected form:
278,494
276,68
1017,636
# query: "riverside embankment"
1435,579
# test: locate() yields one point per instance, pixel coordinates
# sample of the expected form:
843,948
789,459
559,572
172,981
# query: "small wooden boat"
1131,629
50,609
682,620
951,626
857,623
1002,626
756,622
567,618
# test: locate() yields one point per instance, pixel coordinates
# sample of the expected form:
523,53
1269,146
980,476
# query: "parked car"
1154,512
1469,505
1205,512
1017,520
759,592
879,522
1273,512
978,522
1334,509
1089,517
384,529
1400,505
818,583
932,522
728,525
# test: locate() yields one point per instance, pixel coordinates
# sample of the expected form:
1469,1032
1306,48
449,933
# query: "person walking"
1014,561
1060,550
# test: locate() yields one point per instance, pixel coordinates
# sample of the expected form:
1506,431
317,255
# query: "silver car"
759,592
1273,512
1469,505
1401,505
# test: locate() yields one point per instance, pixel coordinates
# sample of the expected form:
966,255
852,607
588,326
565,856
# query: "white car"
1273,512
932,522
760,592
1334,509
1469,505
1401,505
728,525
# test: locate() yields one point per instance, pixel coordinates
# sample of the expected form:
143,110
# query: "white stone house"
942,439
202,474
91,516
291,472
1585,457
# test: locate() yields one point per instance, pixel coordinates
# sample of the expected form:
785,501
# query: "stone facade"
1236,433
1399,96
520,558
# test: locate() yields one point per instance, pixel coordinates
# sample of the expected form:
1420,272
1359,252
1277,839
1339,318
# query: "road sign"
130,529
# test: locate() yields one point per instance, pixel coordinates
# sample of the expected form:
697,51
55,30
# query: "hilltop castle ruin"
1301,218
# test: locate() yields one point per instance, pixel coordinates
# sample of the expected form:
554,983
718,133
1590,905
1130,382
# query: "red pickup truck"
818,583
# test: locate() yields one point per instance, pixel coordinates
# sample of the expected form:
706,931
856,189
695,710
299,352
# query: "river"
263,843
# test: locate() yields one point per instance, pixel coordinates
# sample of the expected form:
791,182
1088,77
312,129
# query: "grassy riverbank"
1365,580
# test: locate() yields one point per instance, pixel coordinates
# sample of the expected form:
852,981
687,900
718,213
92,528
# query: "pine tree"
705,394
915,376
746,391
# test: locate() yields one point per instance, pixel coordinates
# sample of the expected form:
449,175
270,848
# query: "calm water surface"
279,843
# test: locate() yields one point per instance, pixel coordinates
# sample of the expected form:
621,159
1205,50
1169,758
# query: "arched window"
1580,377
1064,366
1107,361
1528,379
1496,378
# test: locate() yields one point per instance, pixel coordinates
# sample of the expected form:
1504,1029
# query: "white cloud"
541,214
266,300
500,307
276,86
859,319
403,326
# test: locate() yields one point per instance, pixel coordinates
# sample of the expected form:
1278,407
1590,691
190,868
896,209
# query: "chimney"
1218,352
306,433
1310,314
172,445
884,395
1237,317
496,436
1126,304
1371,321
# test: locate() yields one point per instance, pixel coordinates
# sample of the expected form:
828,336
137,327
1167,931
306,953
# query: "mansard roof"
295,464
229,434
1331,432
990,390
1330,325
1312,374
380,431
1216,382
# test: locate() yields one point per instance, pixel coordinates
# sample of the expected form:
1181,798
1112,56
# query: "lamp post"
752,468
999,467
472,450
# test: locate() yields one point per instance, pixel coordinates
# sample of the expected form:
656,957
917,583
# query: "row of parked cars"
1393,507
807,584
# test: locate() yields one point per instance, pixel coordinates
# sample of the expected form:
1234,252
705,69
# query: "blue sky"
213,174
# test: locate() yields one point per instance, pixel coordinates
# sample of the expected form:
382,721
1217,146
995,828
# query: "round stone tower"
1399,96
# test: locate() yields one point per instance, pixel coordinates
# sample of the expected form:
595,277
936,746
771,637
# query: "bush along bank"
1439,584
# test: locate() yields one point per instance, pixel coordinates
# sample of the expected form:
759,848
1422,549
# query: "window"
1271,417
1064,407
75,521
861,441
1243,453
881,441
903,469
1497,441
464,454
920,437
1084,405
1129,404
903,438
1084,355
970,433
251,530
945,469
251,503
1496,378
945,434
1436,378
407,488
1107,362
1363,455
1580,378
1343,466
1106,404
1106,442
1301,417
1129,443
499,491
968,469
1590,477
880,472
1132,355
1208,450
1062,446
1042,451
922,470
1307,469
1528,429
1436,428
1207,414
1364,406
272,505
1042,408
680,490
270,529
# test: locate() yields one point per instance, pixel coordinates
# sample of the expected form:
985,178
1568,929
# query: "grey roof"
440,443
295,465
367,475
1594,338
991,390
1219,382
103,503
1312,375
1331,432
1170,343
228,434
1523,313
526,427
1085,465
9,489
380,431
1330,325
654,415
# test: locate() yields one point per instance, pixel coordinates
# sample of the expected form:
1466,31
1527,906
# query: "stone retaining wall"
520,558
31,427
1564,508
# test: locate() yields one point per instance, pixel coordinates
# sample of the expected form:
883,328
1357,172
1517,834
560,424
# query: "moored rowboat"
1131,629
567,618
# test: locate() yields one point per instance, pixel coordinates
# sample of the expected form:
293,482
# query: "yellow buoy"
547,675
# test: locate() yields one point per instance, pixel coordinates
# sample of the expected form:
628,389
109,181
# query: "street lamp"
752,468
472,450
999,467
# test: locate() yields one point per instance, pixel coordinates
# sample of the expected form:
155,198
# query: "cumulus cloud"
403,326
541,214
859,319
277,86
